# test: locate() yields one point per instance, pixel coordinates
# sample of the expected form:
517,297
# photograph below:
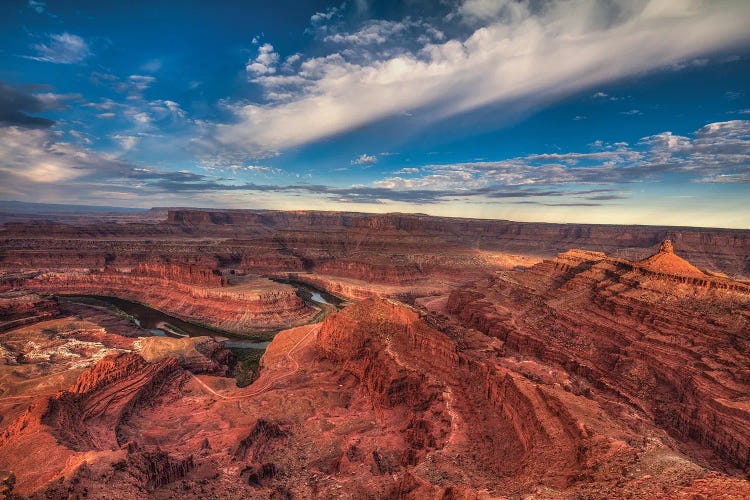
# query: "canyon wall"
89,423
527,432
379,248
673,345
189,292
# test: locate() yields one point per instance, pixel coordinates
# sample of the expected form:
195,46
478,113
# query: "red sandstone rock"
584,376
665,261
387,248
255,305
670,344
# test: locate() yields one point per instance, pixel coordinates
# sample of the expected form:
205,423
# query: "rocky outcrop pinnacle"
667,262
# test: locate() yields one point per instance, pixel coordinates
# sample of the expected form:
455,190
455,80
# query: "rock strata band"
409,357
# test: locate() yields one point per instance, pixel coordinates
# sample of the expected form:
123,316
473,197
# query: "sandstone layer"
388,248
470,362
585,376
660,335
189,292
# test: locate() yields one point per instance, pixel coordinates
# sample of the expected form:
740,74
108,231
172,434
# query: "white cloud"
127,142
140,117
376,31
264,63
80,136
365,160
166,108
525,59
37,156
716,153
479,11
725,178
322,17
256,168
141,82
36,164
63,48
407,171
291,61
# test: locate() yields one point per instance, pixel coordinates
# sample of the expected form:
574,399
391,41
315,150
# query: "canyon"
463,358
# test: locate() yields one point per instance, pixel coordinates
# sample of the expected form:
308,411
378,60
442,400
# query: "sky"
580,111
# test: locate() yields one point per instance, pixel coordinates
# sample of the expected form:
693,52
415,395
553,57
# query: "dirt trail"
271,382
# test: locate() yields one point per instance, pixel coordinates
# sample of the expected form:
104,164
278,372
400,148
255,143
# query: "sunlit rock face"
463,364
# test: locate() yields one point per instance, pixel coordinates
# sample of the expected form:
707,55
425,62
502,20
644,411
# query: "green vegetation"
248,364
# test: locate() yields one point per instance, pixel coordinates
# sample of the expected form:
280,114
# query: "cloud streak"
524,54
62,48
716,153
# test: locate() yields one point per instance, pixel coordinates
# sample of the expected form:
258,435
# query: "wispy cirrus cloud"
522,54
62,48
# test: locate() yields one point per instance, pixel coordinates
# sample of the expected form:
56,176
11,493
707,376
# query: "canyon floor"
410,357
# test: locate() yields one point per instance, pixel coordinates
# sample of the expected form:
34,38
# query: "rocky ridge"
669,341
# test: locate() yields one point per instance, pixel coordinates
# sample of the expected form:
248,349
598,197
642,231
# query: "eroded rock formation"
660,334
89,425
460,370
197,294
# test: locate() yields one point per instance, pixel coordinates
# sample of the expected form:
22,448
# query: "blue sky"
564,111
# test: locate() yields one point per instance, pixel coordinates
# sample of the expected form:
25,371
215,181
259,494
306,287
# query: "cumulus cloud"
63,48
165,108
264,63
523,54
320,18
365,160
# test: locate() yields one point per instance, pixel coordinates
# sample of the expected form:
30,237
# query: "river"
159,323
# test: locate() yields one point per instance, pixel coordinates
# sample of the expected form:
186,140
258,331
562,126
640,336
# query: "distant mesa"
666,261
